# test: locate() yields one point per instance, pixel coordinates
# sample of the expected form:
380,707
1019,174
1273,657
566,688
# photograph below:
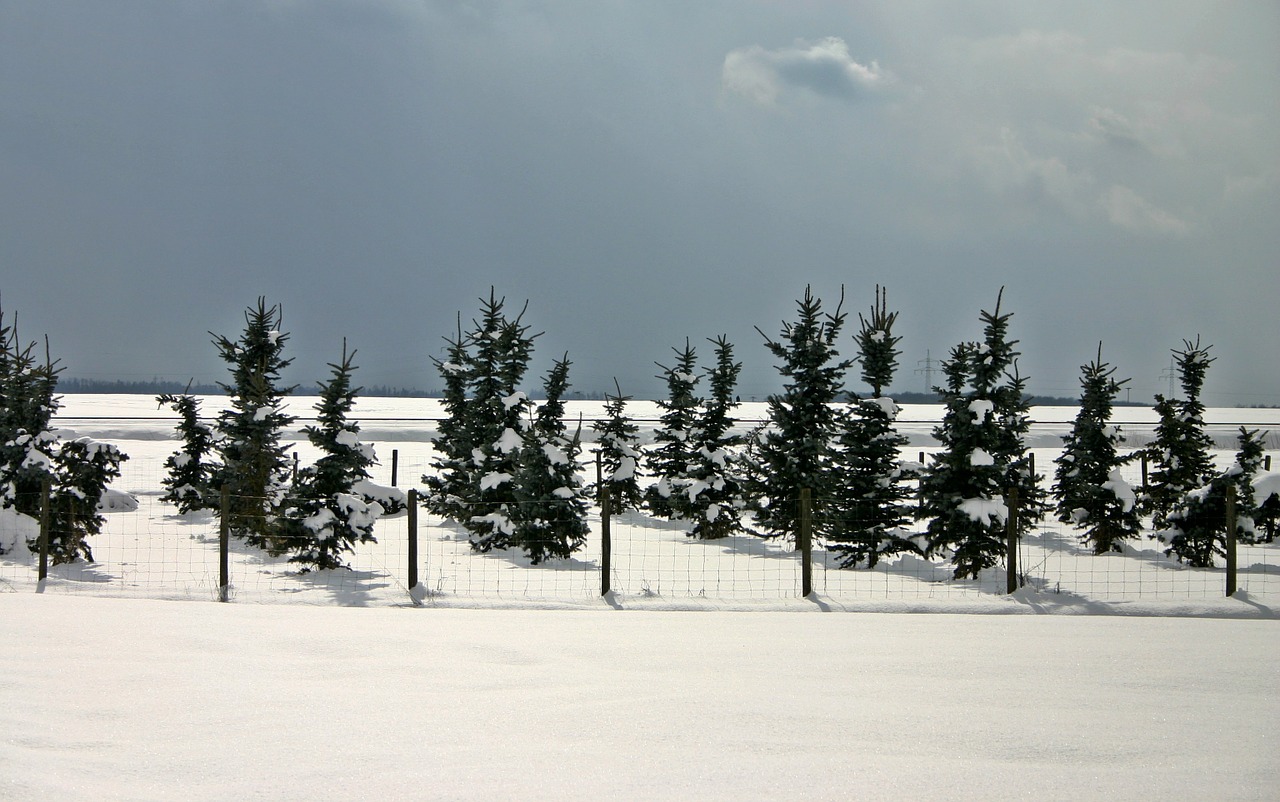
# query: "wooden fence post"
395,466
46,501
1143,460
413,537
606,539
224,544
804,541
1231,540
1011,539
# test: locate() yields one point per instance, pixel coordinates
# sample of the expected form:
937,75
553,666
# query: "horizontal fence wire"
152,551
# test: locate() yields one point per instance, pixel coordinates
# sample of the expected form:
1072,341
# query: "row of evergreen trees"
318,513
1187,496
507,469
493,473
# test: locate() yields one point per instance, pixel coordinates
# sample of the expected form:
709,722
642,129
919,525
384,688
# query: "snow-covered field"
141,699
154,553
107,699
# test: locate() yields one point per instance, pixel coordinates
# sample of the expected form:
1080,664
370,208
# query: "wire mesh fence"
152,551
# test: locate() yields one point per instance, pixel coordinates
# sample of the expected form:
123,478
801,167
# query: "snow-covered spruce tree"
960,487
551,518
982,434
871,501
1196,529
451,485
715,493
1088,487
795,450
84,468
256,471
1179,454
497,420
1245,473
1266,494
191,483
328,510
27,446
998,377
670,457
619,452
78,471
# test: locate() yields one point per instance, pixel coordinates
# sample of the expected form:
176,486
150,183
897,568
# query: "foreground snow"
150,700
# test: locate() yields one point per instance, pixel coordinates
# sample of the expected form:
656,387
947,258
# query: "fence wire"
152,551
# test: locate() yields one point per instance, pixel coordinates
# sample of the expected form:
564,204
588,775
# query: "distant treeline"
1034,400
133,387
158,386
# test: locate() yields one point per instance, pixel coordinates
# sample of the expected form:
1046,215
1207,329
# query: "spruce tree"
672,453
871,500
714,492
83,469
1088,487
256,470
1179,453
1196,528
982,433
1266,518
449,488
27,446
497,420
960,487
325,513
1244,474
796,449
31,453
551,518
619,452
192,476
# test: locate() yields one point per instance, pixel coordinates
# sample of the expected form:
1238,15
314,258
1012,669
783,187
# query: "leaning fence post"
46,501
224,542
804,541
1231,540
1011,539
413,538
606,540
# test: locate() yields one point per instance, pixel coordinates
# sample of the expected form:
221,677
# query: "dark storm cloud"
641,172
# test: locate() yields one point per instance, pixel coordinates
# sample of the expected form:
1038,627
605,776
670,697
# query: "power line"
927,370
1170,374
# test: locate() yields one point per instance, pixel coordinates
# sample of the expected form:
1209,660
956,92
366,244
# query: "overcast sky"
642,172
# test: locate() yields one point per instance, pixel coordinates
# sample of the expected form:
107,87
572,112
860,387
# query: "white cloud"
1008,167
824,68
1127,209
1248,188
